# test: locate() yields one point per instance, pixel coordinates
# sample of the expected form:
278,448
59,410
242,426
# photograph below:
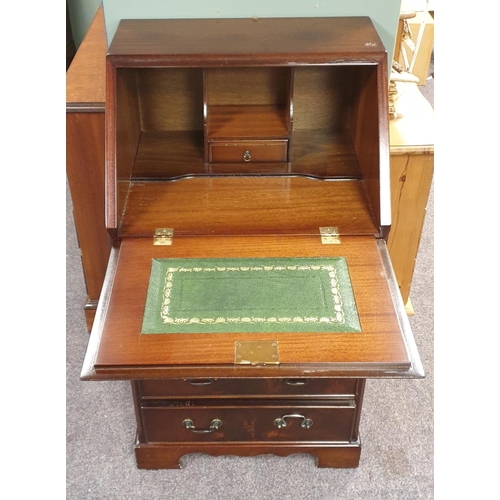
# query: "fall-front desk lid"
184,310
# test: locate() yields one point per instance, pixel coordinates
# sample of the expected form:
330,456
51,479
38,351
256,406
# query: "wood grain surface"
288,40
246,206
244,121
170,99
167,154
85,172
324,153
253,86
168,455
244,420
411,178
258,387
122,349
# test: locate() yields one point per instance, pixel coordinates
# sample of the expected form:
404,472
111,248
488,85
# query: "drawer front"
248,423
249,151
248,387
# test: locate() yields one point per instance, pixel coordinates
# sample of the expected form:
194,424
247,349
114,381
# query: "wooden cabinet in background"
85,104
412,169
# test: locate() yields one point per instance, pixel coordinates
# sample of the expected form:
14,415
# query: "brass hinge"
260,352
163,236
329,235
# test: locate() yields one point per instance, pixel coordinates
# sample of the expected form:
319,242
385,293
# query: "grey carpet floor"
397,425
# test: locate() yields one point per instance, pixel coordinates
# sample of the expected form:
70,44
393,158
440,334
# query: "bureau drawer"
248,151
272,387
182,421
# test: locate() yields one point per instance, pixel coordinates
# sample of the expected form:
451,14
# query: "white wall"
81,13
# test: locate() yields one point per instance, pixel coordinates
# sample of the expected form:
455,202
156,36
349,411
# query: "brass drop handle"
215,424
247,156
296,381
200,381
280,422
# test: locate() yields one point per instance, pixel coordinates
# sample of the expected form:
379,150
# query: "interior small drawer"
248,151
237,387
175,421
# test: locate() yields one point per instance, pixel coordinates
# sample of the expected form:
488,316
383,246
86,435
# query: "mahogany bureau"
248,139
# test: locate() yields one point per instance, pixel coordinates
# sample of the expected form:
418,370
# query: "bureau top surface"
281,40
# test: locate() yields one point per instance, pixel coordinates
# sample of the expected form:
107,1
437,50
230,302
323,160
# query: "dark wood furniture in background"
246,138
85,104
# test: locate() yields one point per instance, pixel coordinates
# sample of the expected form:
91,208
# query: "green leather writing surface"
250,295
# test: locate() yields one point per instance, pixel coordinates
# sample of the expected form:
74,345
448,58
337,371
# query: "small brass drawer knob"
280,422
214,425
247,156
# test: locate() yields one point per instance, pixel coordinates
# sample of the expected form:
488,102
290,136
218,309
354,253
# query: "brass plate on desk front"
261,352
